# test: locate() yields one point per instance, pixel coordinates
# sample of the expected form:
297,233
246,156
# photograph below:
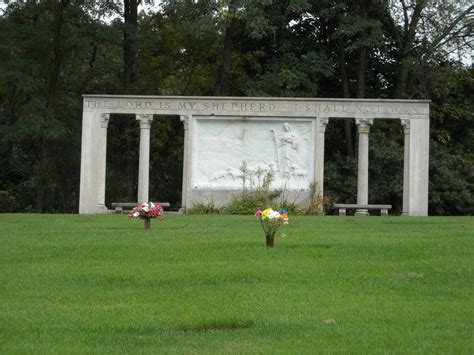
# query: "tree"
229,35
421,27
353,31
42,77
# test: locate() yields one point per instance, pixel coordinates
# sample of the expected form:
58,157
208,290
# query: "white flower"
136,214
273,215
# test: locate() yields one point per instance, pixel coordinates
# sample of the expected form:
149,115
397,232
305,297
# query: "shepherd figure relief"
286,144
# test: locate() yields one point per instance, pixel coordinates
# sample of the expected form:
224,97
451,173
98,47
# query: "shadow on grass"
216,325
279,245
306,246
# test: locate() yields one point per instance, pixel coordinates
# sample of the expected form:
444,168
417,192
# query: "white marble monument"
283,136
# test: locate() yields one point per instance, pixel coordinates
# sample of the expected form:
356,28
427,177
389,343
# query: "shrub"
204,208
318,204
257,196
7,202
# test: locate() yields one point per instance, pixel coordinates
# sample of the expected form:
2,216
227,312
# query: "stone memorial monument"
284,136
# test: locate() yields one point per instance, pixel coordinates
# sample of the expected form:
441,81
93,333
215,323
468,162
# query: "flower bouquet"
147,211
271,220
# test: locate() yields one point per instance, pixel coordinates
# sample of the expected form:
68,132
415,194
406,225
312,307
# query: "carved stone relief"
238,152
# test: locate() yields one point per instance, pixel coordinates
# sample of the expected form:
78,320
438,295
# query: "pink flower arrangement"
146,211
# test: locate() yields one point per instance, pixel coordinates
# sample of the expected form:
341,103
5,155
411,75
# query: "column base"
361,212
404,214
102,209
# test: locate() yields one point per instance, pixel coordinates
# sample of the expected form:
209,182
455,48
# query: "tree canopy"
52,52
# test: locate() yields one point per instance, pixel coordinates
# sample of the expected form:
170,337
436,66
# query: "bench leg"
342,211
361,212
119,210
384,212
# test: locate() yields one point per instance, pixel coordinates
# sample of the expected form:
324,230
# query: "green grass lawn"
101,284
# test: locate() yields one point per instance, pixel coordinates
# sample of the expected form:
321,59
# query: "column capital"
145,120
323,122
363,124
185,120
406,125
104,120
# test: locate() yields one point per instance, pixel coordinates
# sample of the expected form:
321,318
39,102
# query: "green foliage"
451,182
451,149
340,178
318,204
248,202
7,202
256,193
245,204
294,48
39,121
204,208
282,201
386,164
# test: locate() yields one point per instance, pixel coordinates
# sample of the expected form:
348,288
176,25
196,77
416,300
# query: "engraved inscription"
97,104
306,108
363,108
134,104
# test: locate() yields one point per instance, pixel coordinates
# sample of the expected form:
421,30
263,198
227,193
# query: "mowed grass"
102,284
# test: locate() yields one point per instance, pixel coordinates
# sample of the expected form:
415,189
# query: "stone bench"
119,206
343,207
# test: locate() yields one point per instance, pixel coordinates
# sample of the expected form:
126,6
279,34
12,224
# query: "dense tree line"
52,52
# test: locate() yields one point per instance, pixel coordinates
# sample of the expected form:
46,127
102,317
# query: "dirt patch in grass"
308,245
409,276
216,326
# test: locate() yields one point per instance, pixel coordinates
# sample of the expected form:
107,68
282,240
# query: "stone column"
418,170
321,124
144,162
91,161
363,128
102,152
406,165
184,190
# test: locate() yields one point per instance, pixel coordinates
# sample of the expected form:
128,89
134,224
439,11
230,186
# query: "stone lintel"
256,107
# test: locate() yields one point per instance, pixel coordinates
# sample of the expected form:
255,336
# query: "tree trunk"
129,52
406,50
130,25
131,171
348,131
12,105
361,72
50,102
362,53
403,78
228,48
